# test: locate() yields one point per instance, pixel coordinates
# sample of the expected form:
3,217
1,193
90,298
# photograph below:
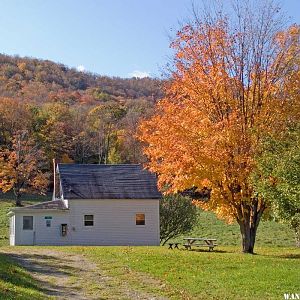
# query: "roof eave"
24,209
152,198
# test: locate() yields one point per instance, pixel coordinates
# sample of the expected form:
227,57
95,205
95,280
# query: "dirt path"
72,276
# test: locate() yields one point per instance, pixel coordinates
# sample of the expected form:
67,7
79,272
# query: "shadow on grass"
34,256
13,275
44,264
286,256
201,250
15,270
207,251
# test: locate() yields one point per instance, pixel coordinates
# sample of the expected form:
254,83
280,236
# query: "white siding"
51,235
114,224
41,234
12,230
66,202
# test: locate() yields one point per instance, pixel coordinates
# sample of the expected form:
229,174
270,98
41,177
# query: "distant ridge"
21,77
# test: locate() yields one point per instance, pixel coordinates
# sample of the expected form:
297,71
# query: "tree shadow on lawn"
285,256
206,251
11,273
45,269
44,264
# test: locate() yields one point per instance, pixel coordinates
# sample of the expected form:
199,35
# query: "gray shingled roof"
56,204
80,181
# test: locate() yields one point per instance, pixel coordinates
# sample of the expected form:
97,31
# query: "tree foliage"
229,85
178,215
21,167
102,133
104,120
43,80
278,177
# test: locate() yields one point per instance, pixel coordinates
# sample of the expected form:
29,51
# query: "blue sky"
108,37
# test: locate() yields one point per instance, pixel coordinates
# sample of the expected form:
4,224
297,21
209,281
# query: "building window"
88,220
48,221
64,229
27,222
140,219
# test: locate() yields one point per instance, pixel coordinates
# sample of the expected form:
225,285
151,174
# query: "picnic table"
200,242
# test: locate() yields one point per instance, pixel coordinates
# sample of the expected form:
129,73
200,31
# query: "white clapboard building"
97,205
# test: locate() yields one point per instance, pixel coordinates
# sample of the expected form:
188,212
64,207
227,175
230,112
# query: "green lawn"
16,283
4,208
224,274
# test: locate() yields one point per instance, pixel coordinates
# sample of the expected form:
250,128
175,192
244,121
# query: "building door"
28,234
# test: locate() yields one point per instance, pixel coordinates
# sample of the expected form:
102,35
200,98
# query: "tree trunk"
248,233
249,218
18,199
297,236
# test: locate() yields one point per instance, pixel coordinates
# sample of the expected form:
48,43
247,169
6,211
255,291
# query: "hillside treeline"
42,81
68,115
104,133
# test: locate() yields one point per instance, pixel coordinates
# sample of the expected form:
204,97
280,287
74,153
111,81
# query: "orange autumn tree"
227,89
21,167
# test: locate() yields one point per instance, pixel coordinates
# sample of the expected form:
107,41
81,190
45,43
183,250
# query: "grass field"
180,274
4,208
224,274
175,274
16,283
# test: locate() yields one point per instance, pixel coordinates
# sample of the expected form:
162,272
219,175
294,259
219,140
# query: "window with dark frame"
64,229
27,222
88,220
48,220
140,219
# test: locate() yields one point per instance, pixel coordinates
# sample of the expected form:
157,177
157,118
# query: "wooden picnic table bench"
175,245
204,242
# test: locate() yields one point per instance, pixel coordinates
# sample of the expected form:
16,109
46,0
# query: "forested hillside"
43,80
50,111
